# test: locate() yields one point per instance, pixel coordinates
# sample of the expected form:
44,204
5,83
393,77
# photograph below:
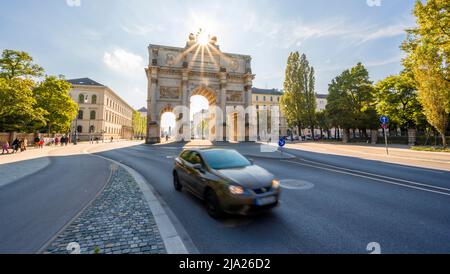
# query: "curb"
172,240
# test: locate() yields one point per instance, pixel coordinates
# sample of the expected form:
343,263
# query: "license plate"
266,201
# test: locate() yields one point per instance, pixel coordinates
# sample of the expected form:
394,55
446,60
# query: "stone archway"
176,74
211,115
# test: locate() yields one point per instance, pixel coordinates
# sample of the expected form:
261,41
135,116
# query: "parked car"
227,181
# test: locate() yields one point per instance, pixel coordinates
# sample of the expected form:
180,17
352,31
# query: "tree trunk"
444,141
345,135
412,136
373,136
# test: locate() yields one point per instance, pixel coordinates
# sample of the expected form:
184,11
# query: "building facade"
102,114
264,99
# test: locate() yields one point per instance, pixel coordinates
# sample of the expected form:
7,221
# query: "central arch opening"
199,110
168,121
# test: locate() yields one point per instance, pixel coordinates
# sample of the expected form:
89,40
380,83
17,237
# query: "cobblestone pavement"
119,221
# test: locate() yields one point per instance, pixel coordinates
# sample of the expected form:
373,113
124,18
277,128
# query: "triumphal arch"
176,74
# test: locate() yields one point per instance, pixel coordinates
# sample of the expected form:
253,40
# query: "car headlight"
236,189
275,183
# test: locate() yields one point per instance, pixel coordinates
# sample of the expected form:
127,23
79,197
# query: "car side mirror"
198,167
251,161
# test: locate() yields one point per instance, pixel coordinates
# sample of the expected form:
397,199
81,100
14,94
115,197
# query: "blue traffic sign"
384,119
282,142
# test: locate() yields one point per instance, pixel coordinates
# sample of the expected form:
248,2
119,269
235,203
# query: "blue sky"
107,40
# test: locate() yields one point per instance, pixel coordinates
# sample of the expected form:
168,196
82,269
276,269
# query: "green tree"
52,95
428,49
351,102
323,122
139,124
397,98
298,102
18,64
18,107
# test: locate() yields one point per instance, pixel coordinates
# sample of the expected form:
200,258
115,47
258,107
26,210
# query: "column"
223,103
153,126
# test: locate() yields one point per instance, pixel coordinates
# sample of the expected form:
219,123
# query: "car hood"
252,177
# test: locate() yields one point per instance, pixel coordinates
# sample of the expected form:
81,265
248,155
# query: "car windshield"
224,159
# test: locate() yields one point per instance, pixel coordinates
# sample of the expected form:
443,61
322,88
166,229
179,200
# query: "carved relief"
170,60
234,96
169,93
234,65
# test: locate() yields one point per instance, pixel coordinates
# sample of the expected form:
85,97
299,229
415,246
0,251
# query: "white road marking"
336,169
377,175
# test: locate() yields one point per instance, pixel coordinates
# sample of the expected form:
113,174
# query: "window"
224,159
80,115
257,98
79,129
94,99
264,98
194,158
81,98
271,99
92,116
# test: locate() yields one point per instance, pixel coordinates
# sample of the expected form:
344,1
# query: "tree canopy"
428,49
298,102
27,104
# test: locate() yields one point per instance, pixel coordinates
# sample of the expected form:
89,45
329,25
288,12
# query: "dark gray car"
226,180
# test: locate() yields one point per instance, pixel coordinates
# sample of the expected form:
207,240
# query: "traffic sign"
384,119
282,142
384,126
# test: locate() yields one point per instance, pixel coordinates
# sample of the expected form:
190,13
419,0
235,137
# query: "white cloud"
383,32
123,61
290,33
383,62
141,29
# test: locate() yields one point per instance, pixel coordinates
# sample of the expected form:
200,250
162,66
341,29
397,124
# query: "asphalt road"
329,204
33,209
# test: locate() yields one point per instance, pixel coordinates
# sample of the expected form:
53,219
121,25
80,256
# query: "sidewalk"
19,165
119,221
398,154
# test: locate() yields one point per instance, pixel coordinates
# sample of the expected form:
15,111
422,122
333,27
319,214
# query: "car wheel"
176,182
213,205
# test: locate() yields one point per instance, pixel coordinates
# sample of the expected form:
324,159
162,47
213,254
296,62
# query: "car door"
183,167
195,176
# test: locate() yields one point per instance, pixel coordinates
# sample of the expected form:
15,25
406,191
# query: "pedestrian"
41,143
167,138
112,139
37,140
24,144
5,147
56,141
15,145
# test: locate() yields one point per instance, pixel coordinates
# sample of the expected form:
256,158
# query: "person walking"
36,142
15,145
112,139
5,147
41,143
56,141
23,144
